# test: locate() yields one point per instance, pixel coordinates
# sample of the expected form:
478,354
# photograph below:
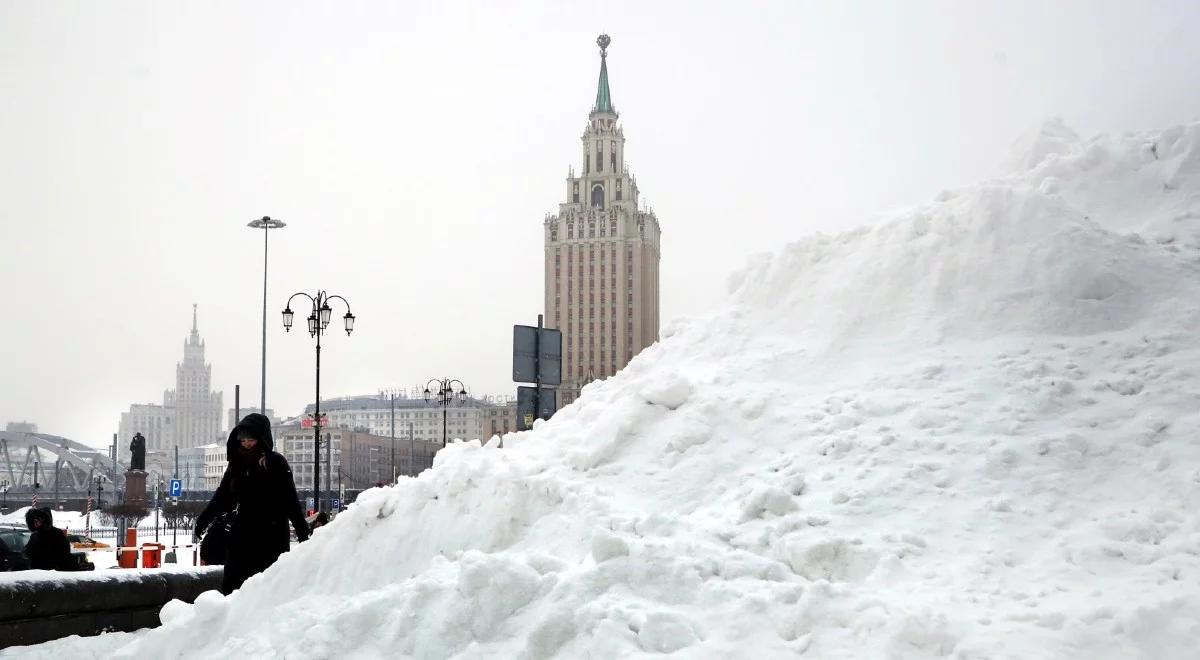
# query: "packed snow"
968,432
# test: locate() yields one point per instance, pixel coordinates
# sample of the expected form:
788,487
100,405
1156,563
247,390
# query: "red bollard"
129,558
152,555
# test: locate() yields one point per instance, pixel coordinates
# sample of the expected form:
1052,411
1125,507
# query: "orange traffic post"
129,558
152,555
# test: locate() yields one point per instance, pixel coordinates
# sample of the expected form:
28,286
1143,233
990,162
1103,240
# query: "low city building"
497,419
216,459
414,418
351,459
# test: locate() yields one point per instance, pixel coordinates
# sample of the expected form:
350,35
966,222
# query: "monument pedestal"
135,488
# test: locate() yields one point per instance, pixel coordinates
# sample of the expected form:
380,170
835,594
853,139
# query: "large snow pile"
969,432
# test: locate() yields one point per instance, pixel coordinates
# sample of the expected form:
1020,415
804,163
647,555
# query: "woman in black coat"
258,488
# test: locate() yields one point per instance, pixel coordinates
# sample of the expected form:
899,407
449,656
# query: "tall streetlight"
444,395
318,321
266,223
391,394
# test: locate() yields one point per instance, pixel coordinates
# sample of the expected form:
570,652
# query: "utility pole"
113,457
393,431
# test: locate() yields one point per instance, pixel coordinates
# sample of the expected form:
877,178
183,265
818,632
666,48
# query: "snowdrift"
968,432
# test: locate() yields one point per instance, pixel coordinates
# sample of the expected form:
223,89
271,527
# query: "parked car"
12,546
81,542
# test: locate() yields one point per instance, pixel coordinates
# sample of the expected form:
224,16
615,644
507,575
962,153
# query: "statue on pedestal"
138,448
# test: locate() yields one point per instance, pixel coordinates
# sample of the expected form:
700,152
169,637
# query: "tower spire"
194,337
603,95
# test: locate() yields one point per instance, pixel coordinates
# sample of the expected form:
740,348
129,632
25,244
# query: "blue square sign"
176,488
337,504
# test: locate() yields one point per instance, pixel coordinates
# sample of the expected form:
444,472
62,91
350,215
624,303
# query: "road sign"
176,488
337,504
310,504
537,350
527,409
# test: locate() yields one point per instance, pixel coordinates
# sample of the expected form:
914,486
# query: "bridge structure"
57,465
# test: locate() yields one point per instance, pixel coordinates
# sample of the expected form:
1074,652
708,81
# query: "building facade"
602,254
414,417
497,419
216,459
197,408
351,459
190,414
152,420
191,469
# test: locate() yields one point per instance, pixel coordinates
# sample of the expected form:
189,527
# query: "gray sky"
414,149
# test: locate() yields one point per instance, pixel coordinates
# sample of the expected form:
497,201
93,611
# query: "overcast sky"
414,149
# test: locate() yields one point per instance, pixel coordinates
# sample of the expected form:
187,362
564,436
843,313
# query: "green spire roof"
603,95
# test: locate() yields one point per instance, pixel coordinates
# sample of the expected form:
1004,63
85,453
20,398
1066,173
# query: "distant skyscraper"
602,256
191,413
197,408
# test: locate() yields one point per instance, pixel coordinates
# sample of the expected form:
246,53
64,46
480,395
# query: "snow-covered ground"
968,432
73,520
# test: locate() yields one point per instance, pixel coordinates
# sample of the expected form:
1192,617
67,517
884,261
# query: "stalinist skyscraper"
602,255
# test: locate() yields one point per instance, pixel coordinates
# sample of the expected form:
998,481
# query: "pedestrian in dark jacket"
47,548
258,488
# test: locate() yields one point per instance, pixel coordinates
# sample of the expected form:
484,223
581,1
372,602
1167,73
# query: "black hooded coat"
47,548
261,492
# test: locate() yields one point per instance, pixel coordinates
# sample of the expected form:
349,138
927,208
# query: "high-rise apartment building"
602,255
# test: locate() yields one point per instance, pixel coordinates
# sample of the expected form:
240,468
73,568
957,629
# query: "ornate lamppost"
318,321
444,395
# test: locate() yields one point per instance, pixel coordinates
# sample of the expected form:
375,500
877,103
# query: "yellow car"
80,542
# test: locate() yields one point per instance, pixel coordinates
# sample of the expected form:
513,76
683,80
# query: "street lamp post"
391,394
318,321
393,432
266,223
444,395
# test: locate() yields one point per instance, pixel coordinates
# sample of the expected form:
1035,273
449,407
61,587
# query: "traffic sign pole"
537,370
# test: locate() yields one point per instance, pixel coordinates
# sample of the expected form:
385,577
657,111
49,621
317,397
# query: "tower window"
598,196
618,189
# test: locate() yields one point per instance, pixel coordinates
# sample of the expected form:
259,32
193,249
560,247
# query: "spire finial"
603,95
194,306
